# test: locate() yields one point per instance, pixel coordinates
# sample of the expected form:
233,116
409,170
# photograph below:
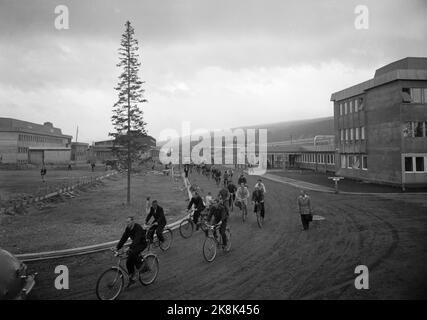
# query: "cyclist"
137,234
223,197
209,200
260,185
219,213
199,206
258,199
241,180
242,196
159,223
225,178
218,177
232,190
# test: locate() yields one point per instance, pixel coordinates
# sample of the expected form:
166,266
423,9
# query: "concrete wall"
8,147
57,156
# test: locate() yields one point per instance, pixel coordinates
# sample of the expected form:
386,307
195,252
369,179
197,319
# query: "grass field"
96,215
16,183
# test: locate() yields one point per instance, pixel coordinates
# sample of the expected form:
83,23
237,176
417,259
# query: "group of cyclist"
218,209
217,213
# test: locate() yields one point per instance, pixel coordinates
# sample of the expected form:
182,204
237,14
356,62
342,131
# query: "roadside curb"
318,188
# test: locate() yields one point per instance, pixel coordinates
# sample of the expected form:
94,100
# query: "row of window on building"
414,95
350,106
22,150
416,164
322,158
354,161
352,134
415,129
36,138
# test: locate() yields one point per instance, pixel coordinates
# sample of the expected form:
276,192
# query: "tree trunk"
128,131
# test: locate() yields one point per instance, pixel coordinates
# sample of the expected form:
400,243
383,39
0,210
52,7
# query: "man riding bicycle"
232,190
241,180
137,234
258,199
159,222
199,206
242,196
219,213
260,185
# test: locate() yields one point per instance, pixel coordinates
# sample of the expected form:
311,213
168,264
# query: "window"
350,106
350,162
413,129
416,95
356,164
357,134
418,129
342,134
343,162
351,135
345,107
419,164
340,109
362,133
365,162
356,105
406,95
346,135
408,164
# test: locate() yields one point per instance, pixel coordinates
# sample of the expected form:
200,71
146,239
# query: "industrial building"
381,126
79,152
23,142
102,151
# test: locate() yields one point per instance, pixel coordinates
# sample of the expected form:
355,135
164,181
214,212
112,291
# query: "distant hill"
299,129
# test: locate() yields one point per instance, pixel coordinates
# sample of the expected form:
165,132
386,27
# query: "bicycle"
186,227
155,243
257,209
243,208
212,241
112,280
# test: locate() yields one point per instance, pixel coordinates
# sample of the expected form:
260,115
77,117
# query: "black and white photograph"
213,155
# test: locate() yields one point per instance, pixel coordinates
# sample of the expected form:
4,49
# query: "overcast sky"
216,63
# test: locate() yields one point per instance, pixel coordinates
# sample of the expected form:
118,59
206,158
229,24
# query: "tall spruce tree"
127,116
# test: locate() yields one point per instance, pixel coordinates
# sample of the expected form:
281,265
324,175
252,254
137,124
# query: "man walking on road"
304,207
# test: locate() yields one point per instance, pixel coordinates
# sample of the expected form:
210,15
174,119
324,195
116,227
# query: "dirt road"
387,234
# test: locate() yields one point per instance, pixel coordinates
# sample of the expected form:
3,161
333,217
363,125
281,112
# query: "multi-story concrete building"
381,126
23,142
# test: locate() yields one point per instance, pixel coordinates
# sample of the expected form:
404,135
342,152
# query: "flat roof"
405,69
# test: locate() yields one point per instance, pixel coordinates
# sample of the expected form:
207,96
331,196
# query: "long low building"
23,142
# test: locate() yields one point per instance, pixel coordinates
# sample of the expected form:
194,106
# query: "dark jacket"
258,195
158,215
219,212
231,188
241,180
137,234
198,203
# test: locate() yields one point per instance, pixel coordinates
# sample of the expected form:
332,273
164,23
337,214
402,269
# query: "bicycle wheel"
149,269
228,235
209,249
166,244
186,228
110,284
244,214
258,217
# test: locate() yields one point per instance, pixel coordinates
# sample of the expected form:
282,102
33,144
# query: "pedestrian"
43,172
305,210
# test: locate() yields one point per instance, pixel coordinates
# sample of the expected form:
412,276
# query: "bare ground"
387,234
97,215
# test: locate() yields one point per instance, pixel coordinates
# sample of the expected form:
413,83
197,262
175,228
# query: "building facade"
79,152
23,142
102,151
381,126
